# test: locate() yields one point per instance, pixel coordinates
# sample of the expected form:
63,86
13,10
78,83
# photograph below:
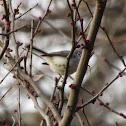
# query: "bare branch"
31,44
40,21
81,70
5,93
19,106
26,12
13,29
7,28
48,121
105,31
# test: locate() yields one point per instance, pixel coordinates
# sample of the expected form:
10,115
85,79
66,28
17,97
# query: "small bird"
57,60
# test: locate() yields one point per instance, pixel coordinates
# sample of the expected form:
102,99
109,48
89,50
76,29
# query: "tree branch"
82,68
7,29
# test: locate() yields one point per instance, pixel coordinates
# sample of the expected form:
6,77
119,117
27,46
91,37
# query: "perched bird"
57,60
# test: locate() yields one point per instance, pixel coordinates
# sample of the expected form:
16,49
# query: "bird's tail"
36,50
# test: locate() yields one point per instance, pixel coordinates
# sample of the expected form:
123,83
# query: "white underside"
57,64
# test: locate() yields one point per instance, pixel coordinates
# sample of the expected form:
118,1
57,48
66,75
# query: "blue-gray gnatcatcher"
57,60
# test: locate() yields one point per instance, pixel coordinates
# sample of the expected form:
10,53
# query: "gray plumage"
57,60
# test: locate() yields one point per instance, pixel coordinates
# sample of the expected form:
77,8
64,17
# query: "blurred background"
55,35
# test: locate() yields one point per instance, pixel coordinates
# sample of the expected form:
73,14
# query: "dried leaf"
38,77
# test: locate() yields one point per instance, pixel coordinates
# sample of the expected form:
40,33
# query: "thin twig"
19,108
26,12
102,103
40,21
105,31
36,105
13,29
114,66
5,93
31,44
87,26
59,31
79,118
54,90
102,90
5,34
11,68
51,98
85,115
88,7
81,20
7,29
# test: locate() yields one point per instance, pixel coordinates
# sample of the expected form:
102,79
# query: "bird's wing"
59,53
